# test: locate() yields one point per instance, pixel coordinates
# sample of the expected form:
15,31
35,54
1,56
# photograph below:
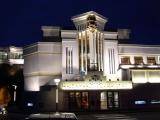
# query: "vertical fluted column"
101,50
86,51
98,51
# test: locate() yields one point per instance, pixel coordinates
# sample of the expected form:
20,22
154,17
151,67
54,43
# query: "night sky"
21,20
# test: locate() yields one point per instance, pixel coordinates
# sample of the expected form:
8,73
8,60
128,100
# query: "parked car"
52,116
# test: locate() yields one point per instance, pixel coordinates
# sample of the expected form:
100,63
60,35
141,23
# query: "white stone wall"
42,65
72,42
139,50
111,64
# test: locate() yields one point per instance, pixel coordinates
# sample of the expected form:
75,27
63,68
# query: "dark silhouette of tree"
12,75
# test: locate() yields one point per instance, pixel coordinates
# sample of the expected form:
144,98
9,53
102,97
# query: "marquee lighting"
95,85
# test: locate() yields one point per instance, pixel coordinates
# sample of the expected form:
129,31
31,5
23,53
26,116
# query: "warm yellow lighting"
154,76
144,76
12,49
95,85
139,76
127,66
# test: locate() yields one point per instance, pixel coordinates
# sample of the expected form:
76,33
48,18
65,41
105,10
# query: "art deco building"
96,72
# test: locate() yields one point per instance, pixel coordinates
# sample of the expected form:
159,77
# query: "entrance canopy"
145,75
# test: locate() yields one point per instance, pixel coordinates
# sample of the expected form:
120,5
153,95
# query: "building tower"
90,38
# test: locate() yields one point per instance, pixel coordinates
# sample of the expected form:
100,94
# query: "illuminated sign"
95,85
140,102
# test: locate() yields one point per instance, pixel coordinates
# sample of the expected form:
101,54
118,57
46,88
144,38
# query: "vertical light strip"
82,68
113,61
79,47
66,59
69,60
101,51
71,50
95,48
110,68
86,51
98,53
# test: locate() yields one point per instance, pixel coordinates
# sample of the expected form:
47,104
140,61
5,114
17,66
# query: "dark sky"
21,20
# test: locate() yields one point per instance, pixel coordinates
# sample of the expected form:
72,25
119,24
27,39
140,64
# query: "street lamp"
57,82
15,87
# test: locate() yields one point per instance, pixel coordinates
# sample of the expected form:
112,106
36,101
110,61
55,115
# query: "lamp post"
57,82
15,87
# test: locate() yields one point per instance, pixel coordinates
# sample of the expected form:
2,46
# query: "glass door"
103,100
113,101
78,100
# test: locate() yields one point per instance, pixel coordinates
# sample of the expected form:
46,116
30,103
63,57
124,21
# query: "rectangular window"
138,60
3,55
151,60
125,60
69,60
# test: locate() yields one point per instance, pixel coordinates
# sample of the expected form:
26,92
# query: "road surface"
121,116
105,116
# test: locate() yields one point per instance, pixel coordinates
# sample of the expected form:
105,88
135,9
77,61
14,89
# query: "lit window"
138,60
3,55
151,60
125,60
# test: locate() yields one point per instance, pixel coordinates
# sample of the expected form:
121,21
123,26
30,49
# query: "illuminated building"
11,55
96,71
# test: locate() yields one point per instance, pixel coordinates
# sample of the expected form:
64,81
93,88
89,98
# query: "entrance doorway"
109,100
78,100
113,101
93,100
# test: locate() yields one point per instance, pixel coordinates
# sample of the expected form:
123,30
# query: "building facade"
96,72
11,55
